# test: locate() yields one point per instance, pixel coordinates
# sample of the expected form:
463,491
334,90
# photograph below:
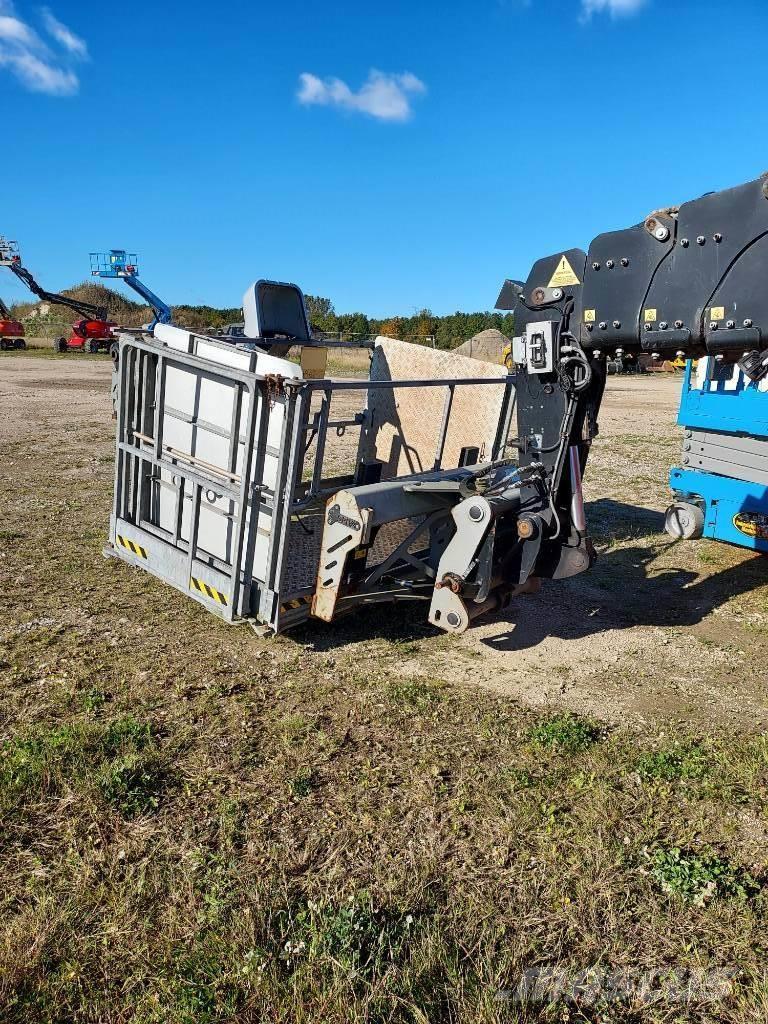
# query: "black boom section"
563,272
541,403
712,254
687,279
621,265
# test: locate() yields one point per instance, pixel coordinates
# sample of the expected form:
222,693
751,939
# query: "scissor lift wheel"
684,520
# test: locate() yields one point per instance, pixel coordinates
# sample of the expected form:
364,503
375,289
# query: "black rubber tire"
93,346
20,344
3,345
60,345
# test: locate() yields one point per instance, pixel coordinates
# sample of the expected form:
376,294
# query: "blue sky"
242,140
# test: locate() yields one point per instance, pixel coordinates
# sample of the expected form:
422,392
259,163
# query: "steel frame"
142,455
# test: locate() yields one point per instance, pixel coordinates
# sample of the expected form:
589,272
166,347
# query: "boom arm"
118,263
85,309
162,312
687,281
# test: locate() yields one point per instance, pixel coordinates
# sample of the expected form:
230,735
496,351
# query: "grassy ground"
200,825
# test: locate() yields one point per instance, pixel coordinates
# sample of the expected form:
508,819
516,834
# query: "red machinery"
11,331
95,334
92,332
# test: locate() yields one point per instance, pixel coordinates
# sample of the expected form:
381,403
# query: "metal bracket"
473,518
346,528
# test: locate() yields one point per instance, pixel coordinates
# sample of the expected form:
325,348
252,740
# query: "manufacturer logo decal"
752,524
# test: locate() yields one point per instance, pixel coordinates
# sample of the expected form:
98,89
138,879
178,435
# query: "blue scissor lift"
721,489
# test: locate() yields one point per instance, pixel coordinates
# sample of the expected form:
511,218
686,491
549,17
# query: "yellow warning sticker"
651,315
207,590
589,316
717,313
563,275
132,546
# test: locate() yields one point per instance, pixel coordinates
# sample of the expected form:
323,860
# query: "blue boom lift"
117,263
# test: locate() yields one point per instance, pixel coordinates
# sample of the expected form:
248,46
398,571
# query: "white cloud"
64,36
39,76
616,8
14,31
384,96
24,53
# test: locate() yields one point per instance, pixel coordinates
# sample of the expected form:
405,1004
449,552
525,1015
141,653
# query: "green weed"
698,879
360,938
303,783
565,732
133,783
685,762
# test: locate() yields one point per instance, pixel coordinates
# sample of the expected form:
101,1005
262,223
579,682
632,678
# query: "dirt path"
658,631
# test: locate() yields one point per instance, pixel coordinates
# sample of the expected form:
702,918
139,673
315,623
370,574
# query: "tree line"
423,328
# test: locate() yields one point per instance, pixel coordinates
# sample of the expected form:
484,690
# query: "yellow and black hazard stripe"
207,590
297,602
131,546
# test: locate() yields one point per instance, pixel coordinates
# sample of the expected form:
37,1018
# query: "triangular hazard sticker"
563,275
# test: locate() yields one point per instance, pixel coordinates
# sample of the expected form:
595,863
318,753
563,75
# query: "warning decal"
563,275
651,316
589,316
132,546
207,590
717,313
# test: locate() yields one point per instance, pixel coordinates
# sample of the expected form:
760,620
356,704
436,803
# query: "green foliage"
119,308
125,734
565,732
129,772
356,936
302,783
205,318
37,760
684,762
93,699
447,331
133,783
320,312
698,879
202,992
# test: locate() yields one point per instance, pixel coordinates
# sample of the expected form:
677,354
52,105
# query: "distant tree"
424,327
354,324
318,306
393,328
322,315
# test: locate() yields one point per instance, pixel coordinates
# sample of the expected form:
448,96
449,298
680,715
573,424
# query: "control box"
536,348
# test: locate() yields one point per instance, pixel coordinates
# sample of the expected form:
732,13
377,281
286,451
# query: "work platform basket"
227,465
